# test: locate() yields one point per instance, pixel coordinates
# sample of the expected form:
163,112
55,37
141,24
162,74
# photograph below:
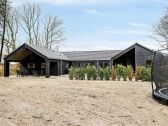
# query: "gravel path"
59,102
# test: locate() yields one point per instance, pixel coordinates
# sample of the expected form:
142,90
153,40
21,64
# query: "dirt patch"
58,101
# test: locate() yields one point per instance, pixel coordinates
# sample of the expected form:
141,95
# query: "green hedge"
107,73
91,72
121,72
146,74
130,71
71,73
118,72
101,73
113,74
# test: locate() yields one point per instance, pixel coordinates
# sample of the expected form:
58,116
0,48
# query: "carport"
126,57
33,61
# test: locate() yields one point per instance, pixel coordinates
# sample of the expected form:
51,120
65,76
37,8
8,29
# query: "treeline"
119,72
28,23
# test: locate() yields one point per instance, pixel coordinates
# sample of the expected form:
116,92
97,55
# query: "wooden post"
47,71
111,63
97,65
6,68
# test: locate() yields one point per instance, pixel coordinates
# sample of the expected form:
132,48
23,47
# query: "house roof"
91,55
130,48
50,54
77,55
47,53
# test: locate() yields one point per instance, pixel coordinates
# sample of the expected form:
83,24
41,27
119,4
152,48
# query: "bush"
138,73
91,72
130,72
124,73
81,73
71,73
143,73
94,72
101,73
113,74
146,74
76,73
119,71
107,73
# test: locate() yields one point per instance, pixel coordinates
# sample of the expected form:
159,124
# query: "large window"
42,65
148,63
104,64
31,65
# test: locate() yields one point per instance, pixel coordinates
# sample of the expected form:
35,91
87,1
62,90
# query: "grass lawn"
32,101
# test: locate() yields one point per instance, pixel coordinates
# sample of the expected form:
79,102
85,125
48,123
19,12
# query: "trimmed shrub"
119,71
101,73
113,74
81,73
71,73
124,73
130,72
107,73
76,73
143,73
91,72
94,72
138,73
146,74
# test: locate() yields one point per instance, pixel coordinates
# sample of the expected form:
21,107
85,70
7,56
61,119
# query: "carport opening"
29,63
126,59
14,67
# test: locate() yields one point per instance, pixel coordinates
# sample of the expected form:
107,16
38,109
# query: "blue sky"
105,24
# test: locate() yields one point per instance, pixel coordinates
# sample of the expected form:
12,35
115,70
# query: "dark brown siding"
142,55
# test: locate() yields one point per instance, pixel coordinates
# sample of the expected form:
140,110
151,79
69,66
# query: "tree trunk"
3,34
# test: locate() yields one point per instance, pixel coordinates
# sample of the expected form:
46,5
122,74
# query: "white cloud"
63,2
57,2
91,45
124,32
161,1
91,11
137,24
72,2
109,39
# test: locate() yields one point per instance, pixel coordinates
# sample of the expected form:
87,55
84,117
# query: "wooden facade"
36,61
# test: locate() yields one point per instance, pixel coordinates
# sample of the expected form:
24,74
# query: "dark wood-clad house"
42,61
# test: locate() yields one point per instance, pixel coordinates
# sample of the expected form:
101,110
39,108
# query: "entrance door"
53,69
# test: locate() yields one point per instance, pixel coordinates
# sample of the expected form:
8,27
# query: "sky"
104,24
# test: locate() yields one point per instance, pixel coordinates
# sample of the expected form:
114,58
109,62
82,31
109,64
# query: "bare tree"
53,32
3,16
161,31
30,16
12,29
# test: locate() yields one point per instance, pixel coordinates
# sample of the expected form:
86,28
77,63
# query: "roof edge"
27,46
14,51
144,47
129,48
